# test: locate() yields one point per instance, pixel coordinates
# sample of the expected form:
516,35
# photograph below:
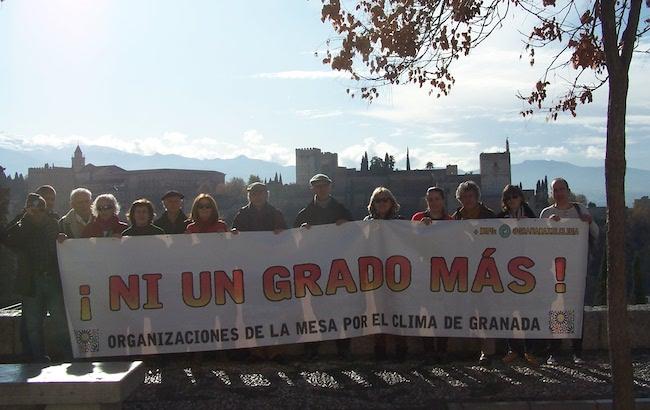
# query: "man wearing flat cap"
34,237
173,221
322,210
258,214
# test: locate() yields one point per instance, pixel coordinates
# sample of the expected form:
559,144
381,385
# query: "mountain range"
589,181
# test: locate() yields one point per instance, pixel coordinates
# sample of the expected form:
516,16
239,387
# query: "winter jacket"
418,216
268,218
172,228
484,213
143,230
36,245
528,213
73,225
104,228
314,214
196,227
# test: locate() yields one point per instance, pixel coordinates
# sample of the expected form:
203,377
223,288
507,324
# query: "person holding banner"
322,210
34,236
564,208
468,194
435,348
513,205
80,215
258,214
105,208
384,206
141,216
173,221
435,198
205,216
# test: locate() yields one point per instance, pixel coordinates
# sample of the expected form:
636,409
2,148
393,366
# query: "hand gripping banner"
499,278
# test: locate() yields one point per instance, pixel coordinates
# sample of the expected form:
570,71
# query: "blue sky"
216,79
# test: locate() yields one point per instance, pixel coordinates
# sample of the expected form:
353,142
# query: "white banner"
175,293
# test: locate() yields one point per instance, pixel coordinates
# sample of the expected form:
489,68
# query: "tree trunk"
618,322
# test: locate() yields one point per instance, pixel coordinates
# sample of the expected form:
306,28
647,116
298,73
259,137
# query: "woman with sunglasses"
205,216
513,205
105,208
384,206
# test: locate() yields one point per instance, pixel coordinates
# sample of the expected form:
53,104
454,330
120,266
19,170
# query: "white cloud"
536,151
555,151
253,137
597,152
351,156
315,114
586,141
302,75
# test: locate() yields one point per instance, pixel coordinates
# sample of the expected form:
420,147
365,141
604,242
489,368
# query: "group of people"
34,232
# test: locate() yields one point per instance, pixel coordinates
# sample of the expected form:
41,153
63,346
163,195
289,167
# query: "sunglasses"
105,207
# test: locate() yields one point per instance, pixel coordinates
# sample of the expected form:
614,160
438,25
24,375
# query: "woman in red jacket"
106,223
435,211
205,216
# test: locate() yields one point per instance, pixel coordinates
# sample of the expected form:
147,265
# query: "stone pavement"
181,382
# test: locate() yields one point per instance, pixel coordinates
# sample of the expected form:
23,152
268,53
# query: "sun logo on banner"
87,340
504,231
561,321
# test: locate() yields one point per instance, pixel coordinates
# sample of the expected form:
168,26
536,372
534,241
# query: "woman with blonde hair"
384,206
205,216
106,209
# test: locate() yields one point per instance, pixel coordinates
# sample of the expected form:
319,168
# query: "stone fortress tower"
310,161
495,172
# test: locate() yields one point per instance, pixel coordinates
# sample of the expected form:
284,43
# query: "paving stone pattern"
178,382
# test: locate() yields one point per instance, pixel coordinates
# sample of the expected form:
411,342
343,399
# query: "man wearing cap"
322,210
258,214
173,221
34,236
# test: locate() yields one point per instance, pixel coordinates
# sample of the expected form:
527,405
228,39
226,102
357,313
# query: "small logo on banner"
87,340
561,321
504,231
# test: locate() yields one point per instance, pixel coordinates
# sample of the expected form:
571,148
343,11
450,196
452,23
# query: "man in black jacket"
173,220
322,210
34,236
258,214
